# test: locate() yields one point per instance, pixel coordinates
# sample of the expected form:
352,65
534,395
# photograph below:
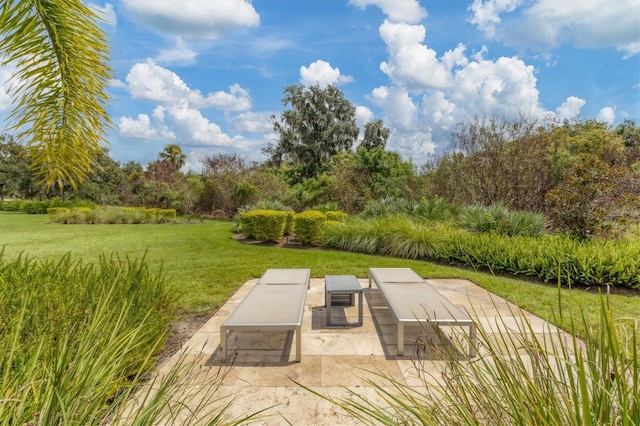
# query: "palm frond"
59,87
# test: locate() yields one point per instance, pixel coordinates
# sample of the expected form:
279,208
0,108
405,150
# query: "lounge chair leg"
223,344
400,339
298,344
472,340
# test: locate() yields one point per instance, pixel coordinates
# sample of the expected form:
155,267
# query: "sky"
209,75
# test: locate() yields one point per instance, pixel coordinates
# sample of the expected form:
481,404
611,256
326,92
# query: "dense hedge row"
41,206
110,215
551,257
272,225
309,226
265,225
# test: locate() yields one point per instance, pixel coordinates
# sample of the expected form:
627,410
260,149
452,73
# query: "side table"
341,285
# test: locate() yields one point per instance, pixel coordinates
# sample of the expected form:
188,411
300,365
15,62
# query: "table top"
342,283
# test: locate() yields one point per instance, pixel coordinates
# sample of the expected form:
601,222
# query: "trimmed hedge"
264,225
336,216
110,215
310,226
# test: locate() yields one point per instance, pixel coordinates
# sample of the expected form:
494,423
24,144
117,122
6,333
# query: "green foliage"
554,258
501,220
72,333
229,183
375,135
14,170
52,211
336,216
264,225
309,226
435,209
585,199
111,215
61,54
386,207
320,124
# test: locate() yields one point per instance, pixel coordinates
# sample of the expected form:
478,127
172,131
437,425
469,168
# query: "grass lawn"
206,265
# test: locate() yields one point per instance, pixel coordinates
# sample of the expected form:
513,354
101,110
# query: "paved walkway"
334,359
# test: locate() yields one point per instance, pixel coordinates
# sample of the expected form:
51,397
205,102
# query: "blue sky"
209,74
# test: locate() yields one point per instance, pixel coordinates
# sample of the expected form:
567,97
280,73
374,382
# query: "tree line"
582,175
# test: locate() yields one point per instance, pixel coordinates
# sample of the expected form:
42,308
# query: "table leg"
328,304
360,307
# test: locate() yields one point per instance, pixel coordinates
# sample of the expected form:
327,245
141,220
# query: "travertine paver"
334,359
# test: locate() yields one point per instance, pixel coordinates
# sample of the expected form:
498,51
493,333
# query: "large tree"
319,124
59,93
375,135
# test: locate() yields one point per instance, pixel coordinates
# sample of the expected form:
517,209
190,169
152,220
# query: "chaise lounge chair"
275,303
413,300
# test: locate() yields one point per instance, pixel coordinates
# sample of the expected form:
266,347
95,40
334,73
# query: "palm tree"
172,154
59,88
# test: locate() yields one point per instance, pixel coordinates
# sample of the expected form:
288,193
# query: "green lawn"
206,265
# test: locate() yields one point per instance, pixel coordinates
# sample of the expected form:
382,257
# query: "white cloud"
413,146
238,99
547,24
400,110
6,75
321,73
181,54
253,122
195,129
607,115
570,109
452,88
106,13
194,18
151,82
397,11
142,127
363,115
486,13
180,106
412,63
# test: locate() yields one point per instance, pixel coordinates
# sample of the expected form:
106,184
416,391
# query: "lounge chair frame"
413,300
275,303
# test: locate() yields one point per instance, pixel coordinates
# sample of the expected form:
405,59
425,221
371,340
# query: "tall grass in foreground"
78,339
519,379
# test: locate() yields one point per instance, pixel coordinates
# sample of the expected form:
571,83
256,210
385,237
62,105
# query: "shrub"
336,216
53,211
264,225
435,209
499,219
166,215
309,226
551,257
387,207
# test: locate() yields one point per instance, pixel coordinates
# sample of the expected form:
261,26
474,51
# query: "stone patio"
335,359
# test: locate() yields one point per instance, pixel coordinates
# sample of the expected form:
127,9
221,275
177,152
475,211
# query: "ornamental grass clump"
499,219
521,377
78,342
